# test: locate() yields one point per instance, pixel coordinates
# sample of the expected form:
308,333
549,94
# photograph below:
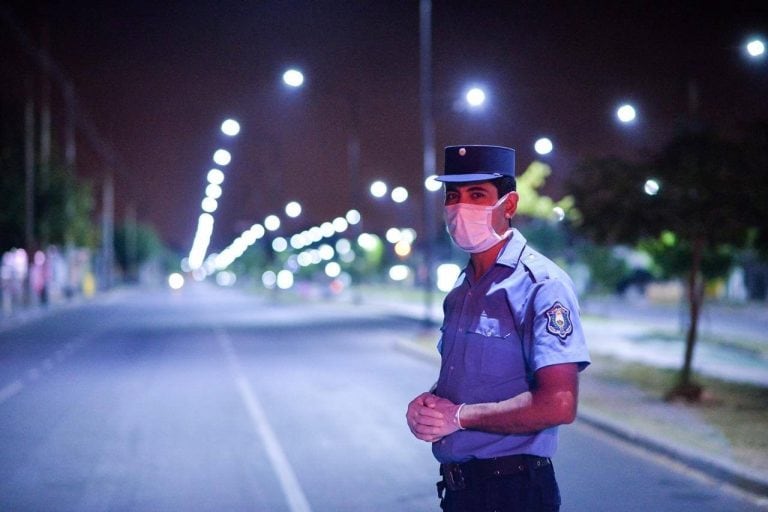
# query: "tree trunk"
685,387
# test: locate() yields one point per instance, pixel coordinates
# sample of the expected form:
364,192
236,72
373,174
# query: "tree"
702,208
535,205
63,208
63,205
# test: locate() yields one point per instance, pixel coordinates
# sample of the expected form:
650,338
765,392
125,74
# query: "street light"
543,146
399,194
272,223
651,187
293,209
755,48
431,183
626,113
222,157
475,97
213,191
378,189
230,127
293,78
215,177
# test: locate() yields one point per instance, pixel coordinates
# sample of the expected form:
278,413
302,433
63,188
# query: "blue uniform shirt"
520,316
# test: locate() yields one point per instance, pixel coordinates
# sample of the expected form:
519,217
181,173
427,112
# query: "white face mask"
471,225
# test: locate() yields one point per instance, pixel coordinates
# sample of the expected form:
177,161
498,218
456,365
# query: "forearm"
522,414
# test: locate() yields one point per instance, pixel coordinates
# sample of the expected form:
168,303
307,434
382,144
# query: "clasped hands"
431,418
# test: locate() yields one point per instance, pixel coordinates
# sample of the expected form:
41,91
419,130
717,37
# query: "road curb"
714,468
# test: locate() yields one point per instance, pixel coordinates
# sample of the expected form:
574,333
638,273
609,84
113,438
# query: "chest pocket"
493,348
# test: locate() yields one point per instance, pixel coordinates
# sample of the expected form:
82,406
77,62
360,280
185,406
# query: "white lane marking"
297,500
47,365
10,389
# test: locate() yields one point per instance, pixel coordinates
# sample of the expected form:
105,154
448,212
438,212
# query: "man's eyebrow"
471,188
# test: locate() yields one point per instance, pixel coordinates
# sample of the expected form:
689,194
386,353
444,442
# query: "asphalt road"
213,399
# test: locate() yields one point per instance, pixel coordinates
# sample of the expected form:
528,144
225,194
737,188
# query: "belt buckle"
454,477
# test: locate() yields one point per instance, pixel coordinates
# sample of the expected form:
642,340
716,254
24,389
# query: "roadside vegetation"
737,412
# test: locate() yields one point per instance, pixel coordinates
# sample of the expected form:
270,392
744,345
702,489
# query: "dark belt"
457,477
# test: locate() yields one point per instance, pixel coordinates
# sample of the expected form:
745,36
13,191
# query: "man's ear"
510,205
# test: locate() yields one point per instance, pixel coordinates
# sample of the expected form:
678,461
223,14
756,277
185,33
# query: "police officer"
511,350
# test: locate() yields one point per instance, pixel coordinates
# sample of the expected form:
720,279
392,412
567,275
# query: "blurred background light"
284,279
447,273
399,194
353,217
651,187
626,113
209,204
368,241
475,97
543,146
269,279
340,224
215,177
175,281
293,78
378,189
399,272
213,191
226,278
272,222
230,127
222,157
755,48
332,269
432,184
279,244
293,209
392,235
403,248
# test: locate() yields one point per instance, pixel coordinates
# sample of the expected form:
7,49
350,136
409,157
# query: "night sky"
158,78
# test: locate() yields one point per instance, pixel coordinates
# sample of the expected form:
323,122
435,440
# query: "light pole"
428,142
294,78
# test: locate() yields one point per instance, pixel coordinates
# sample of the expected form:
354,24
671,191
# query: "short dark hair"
505,185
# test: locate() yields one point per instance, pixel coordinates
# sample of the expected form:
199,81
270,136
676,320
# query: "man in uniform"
511,349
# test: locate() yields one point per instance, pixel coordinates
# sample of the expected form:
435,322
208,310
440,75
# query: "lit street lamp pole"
428,136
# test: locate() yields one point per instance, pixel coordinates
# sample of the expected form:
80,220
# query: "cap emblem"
462,151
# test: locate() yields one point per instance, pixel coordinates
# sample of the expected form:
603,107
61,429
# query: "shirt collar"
510,254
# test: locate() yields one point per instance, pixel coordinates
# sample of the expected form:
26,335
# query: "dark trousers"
533,490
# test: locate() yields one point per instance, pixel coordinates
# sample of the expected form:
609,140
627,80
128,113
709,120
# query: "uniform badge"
559,321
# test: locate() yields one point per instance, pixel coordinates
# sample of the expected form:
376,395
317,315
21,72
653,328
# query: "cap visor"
462,178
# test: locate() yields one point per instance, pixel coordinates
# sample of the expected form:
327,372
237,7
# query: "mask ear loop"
507,216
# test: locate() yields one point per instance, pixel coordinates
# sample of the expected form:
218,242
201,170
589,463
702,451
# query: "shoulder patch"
559,321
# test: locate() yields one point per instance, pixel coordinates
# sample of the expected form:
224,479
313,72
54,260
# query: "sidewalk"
674,430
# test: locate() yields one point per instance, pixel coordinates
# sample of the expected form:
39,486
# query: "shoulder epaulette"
535,263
